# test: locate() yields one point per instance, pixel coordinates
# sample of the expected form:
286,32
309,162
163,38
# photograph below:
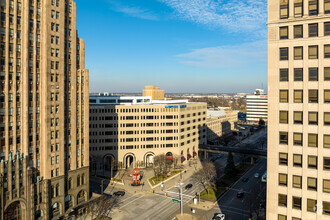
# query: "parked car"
214,158
219,216
256,175
188,186
245,179
119,193
240,194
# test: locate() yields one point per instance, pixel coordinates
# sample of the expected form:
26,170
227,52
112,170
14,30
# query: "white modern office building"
256,107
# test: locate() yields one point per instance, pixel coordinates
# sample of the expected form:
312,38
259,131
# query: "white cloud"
133,11
235,15
227,56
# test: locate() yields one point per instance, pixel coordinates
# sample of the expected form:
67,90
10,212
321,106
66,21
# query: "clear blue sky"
179,45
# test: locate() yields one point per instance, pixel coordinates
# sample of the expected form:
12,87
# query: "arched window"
70,183
82,179
78,180
57,190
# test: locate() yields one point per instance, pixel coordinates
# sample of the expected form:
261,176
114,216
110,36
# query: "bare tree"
206,175
98,207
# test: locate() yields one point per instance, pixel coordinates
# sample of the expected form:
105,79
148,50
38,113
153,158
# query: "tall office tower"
43,110
298,184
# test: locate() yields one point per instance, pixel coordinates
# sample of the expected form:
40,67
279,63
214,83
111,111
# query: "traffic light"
165,195
150,191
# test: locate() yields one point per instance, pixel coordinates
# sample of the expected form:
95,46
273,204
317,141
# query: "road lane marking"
131,201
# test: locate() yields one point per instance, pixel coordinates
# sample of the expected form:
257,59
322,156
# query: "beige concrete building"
43,110
131,130
220,122
155,92
298,184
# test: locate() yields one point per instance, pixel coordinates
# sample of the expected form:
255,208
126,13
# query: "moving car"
219,216
256,175
245,179
240,194
119,193
188,186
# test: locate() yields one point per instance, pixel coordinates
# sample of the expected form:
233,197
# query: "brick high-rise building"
44,105
298,171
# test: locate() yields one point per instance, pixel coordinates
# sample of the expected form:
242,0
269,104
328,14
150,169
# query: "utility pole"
181,199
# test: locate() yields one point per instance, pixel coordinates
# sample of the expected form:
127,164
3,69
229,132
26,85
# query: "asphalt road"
254,191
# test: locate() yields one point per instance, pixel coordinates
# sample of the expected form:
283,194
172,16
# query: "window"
298,74
284,53
326,186
282,200
326,6
297,117
296,182
326,118
326,96
282,179
297,160
284,75
297,139
298,96
312,140
312,118
282,217
313,96
284,97
294,218
284,9
311,205
327,73
283,137
284,117
326,163
313,74
313,30
283,33
296,202
326,208
312,162
313,7
327,51
298,31
313,52
326,28
312,183
298,8
283,159
298,53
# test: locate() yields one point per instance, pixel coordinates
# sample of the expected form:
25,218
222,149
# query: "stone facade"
44,110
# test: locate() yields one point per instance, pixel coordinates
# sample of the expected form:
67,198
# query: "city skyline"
169,42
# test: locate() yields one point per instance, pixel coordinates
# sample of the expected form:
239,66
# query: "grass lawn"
154,180
116,180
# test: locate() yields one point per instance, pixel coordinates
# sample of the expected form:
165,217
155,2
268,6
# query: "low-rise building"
132,130
155,92
220,122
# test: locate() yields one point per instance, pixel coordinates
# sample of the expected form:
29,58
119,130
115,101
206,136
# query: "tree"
261,122
205,176
230,167
99,207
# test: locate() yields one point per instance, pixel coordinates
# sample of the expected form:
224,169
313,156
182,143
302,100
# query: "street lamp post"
179,185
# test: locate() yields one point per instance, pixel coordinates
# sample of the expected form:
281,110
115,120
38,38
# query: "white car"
256,175
219,216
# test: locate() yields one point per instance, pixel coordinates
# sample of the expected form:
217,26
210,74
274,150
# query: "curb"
168,179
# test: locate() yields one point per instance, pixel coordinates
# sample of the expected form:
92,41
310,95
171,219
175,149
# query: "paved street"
254,191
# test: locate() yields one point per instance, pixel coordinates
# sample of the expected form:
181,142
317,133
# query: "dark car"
245,179
240,194
188,186
119,193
